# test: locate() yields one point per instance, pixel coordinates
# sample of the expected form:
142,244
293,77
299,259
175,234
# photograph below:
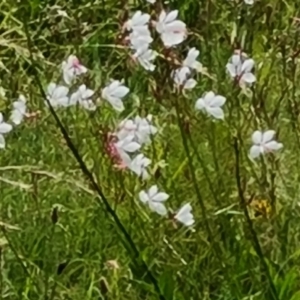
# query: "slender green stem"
192,169
48,246
14,250
255,240
216,247
205,172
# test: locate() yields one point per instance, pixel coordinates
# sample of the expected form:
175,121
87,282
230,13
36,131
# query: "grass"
57,238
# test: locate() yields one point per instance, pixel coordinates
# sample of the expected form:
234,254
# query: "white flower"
4,128
263,142
127,144
57,95
72,68
250,2
88,105
139,164
240,68
151,1
138,22
211,104
172,31
191,60
155,200
145,57
140,128
181,79
126,127
185,216
82,96
114,93
144,129
19,110
140,39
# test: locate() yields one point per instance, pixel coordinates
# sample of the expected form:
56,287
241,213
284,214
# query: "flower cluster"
18,113
171,30
130,136
57,95
133,133
156,202
140,39
124,145
240,68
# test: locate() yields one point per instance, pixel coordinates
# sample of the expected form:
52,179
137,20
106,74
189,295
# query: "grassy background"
207,162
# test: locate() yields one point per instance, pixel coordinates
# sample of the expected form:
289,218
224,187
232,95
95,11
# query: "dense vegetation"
65,236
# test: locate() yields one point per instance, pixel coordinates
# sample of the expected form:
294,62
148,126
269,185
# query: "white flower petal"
51,88
236,60
59,92
231,70
172,38
158,208
132,147
64,101
5,127
143,196
120,92
273,146
88,94
247,65
2,142
184,210
190,84
74,98
126,159
160,197
188,220
216,112
20,106
113,85
162,16
171,16
153,191
68,76
117,104
180,75
16,117
185,216
217,101
88,105
255,151
197,66
135,167
248,78
176,26
191,57
257,137
200,104
268,136
208,97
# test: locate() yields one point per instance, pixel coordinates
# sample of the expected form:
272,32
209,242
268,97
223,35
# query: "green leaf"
167,284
